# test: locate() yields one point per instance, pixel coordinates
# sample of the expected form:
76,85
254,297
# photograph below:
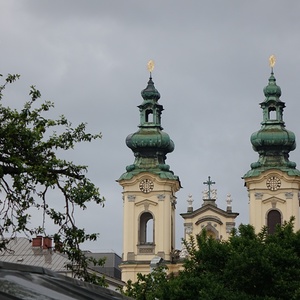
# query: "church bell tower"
273,182
149,188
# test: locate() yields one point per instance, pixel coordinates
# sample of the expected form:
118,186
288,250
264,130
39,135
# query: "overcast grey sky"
211,57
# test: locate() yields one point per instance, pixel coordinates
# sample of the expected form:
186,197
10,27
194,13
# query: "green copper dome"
150,92
150,144
273,141
272,90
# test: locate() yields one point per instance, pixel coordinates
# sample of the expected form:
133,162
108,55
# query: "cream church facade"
149,187
273,182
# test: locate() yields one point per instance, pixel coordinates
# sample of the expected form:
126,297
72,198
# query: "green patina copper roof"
150,92
150,144
273,141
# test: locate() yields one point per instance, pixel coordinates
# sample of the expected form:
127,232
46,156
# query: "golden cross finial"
272,61
150,66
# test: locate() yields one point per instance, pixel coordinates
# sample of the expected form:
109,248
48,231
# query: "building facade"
149,188
218,223
273,183
149,193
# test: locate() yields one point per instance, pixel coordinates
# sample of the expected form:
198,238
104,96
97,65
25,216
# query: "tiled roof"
21,251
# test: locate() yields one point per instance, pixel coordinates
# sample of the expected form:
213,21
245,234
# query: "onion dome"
273,141
272,89
150,144
150,92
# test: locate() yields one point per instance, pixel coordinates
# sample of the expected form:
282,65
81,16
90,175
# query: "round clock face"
273,183
146,185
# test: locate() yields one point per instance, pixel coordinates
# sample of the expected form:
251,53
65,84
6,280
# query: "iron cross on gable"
209,183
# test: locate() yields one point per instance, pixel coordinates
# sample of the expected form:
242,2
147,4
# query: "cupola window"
272,113
149,116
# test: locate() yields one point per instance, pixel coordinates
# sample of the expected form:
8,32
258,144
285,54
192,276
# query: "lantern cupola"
150,144
273,141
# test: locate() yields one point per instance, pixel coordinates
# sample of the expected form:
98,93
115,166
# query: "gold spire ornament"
150,66
272,61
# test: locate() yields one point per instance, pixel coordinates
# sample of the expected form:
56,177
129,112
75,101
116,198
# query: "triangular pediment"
146,202
213,210
273,200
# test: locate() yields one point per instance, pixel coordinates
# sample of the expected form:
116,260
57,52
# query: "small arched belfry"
149,188
273,183
217,223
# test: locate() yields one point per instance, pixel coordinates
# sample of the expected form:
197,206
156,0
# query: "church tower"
273,182
149,188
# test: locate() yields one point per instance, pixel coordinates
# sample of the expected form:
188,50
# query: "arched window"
273,218
149,116
146,234
272,113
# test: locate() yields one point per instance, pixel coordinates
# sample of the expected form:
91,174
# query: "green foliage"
149,287
248,266
30,168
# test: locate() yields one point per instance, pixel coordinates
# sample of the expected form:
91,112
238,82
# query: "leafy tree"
149,287
30,168
248,266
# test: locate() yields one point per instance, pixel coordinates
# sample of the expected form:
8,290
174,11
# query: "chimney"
37,241
47,244
42,242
